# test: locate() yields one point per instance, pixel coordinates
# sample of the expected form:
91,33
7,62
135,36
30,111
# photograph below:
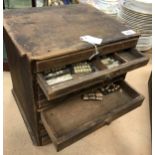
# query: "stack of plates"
107,6
138,15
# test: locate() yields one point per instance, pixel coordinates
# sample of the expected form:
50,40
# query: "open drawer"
128,60
74,118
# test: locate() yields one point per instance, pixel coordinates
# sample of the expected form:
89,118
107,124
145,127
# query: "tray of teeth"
58,76
97,95
65,74
93,96
83,67
110,88
110,62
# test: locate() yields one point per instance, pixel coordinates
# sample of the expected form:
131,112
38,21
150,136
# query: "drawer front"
43,103
128,60
74,117
83,55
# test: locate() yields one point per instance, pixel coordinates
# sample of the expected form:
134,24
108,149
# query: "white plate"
143,48
145,5
132,7
132,13
143,30
137,20
138,12
136,23
141,20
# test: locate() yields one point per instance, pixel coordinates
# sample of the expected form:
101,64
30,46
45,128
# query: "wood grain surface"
54,31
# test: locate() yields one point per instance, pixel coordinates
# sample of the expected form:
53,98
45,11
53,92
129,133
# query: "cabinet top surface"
53,31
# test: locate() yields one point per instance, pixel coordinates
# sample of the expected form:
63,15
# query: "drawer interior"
102,69
42,103
74,117
129,56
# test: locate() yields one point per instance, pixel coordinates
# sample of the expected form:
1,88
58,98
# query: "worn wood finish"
87,80
83,55
62,122
22,79
44,137
5,66
50,104
62,27
38,39
24,116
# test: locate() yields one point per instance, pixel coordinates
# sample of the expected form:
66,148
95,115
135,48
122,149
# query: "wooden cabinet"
41,41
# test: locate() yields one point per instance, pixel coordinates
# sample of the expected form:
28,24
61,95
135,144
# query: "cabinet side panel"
22,80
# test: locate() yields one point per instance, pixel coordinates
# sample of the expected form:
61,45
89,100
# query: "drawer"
43,103
74,117
84,54
128,60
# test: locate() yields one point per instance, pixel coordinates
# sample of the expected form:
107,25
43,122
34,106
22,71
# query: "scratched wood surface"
54,31
66,122
132,59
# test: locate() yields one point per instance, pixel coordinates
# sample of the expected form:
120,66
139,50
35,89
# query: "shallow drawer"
74,118
129,60
84,54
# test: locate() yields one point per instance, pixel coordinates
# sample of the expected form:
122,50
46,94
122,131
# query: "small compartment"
82,55
56,82
108,61
62,81
75,117
69,72
129,55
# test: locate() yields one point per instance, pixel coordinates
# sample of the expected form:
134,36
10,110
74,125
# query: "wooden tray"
74,118
130,59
